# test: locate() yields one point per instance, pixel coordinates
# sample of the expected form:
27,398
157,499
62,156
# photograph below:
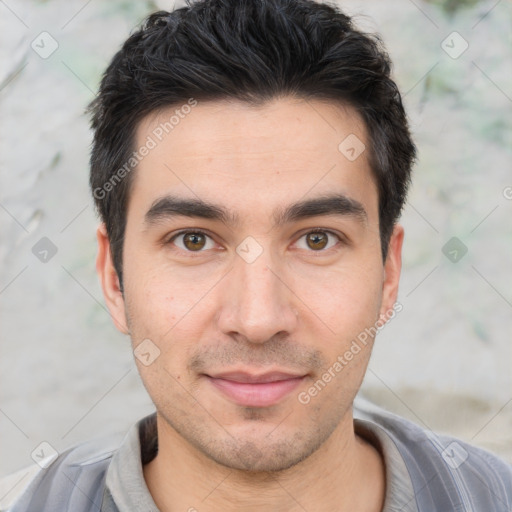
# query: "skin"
295,308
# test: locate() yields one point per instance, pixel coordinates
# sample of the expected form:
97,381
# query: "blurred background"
444,361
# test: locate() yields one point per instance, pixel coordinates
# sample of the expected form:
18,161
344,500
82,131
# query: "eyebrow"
334,204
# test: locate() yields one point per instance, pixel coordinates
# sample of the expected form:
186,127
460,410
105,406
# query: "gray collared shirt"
126,488
425,472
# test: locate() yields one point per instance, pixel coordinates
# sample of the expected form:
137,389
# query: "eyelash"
199,231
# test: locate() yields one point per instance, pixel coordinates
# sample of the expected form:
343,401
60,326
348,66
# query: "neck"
346,473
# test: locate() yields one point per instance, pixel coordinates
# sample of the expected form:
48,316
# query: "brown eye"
194,241
317,240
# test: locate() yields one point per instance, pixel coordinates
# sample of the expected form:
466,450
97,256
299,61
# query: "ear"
392,269
110,281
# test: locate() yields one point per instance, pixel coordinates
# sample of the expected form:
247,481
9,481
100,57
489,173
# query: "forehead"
248,156
292,124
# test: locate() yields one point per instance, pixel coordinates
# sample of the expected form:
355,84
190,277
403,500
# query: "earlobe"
110,281
392,270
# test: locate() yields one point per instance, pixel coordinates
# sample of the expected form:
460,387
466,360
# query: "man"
250,163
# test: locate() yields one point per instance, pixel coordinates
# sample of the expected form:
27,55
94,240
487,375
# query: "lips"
255,390
263,378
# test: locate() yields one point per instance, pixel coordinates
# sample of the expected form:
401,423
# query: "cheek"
156,298
345,300
170,312
150,303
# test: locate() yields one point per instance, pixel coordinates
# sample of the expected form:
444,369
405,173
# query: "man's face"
254,309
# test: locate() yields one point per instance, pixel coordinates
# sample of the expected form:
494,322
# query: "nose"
257,301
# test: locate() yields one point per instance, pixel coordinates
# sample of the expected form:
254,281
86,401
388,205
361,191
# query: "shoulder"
73,480
447,473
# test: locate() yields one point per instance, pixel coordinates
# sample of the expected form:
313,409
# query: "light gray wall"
67,375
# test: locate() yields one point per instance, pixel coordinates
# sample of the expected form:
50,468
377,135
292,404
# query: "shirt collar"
126,489
399,488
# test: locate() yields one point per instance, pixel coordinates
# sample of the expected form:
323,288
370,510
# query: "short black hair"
253,51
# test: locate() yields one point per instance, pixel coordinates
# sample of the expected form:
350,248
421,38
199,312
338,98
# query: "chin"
258,456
